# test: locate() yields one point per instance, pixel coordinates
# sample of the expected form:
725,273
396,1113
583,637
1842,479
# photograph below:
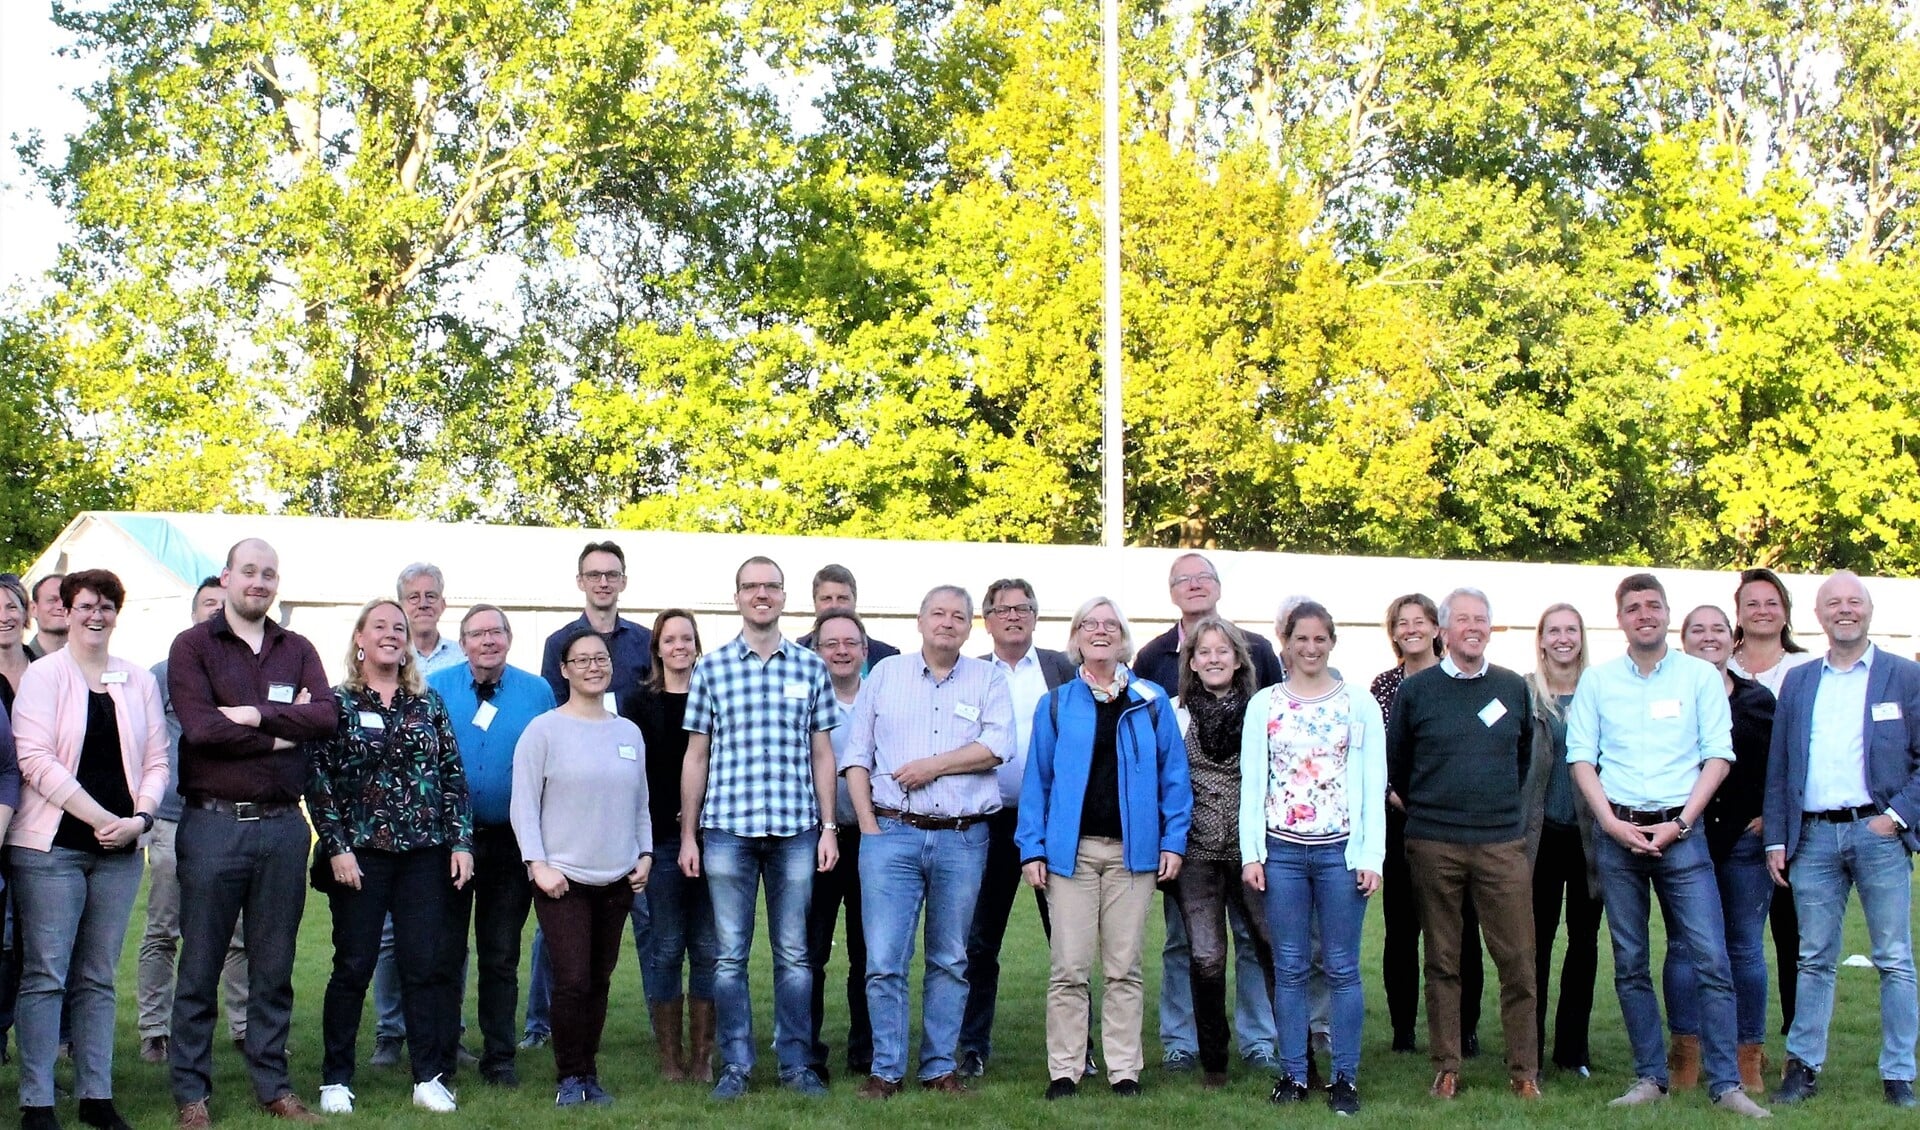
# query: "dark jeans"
1204,889
681,934
413,887
830,890
998,889
1784,921
584,928
1560,875
1400,957
226,866
497,900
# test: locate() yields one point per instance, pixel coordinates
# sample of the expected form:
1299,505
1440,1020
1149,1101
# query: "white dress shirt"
1028,683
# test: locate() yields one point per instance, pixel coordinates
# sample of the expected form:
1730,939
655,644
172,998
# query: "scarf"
1216,725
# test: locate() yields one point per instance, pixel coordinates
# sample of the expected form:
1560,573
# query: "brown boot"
667,1039
701,1023
1683,1063
1753,1068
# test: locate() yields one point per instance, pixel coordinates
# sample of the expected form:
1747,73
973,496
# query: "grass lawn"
1392,1087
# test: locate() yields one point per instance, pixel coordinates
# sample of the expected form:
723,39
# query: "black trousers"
1785,922
1560,877
1400,957
830,891
585,930
999,887
1204,890
413,886
496,902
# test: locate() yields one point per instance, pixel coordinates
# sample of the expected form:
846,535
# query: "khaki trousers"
1501,883
1101,910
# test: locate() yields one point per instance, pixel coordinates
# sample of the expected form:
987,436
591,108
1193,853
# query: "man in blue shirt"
490,704
1649,739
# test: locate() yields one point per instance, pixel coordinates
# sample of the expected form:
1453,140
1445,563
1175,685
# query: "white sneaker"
336,1099
433,1095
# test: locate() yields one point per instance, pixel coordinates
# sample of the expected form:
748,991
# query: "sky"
36,93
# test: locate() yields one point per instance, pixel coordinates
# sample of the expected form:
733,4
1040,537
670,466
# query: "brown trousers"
1501,882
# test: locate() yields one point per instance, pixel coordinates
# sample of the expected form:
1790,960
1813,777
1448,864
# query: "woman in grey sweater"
580,814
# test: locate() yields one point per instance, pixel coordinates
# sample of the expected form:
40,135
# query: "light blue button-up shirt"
1836,747
904,714
1648,735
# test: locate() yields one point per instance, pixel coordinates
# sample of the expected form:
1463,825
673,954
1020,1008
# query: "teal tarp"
168,546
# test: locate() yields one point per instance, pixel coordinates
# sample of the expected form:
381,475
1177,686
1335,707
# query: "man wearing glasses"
756,804
602,576
423,593
1011,612
1194,585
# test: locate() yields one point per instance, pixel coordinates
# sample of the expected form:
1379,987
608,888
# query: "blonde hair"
1080,616
410,678
1535,679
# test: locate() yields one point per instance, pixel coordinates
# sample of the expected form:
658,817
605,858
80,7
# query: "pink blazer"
50,725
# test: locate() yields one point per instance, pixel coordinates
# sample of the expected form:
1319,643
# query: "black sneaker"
1899,1092
1127,1088
1062,1089
1342,1098
1798,1084
1287,1089
1470,1045
972,1065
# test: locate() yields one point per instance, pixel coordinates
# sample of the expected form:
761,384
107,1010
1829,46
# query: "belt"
1646,817
1845,815
930,823
243,810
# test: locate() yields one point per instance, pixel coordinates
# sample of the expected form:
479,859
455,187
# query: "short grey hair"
1286,608
1446,605
417,570
1080,616
966,597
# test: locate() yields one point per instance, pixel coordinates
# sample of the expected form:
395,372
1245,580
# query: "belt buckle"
244,811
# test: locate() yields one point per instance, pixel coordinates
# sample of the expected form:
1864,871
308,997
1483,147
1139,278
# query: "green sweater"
1457,752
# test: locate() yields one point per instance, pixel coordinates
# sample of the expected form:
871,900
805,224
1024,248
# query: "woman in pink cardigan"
92,742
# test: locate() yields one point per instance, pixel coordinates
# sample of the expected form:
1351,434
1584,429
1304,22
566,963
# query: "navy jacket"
1892,746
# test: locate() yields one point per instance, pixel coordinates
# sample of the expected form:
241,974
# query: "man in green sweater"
1458,744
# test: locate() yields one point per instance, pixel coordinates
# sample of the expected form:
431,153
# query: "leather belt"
243,810
930,823
1846,815
1646,817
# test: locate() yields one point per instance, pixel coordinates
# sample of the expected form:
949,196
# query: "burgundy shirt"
210,667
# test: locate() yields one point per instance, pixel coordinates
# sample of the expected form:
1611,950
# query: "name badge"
628,753
1882,711
1356,734
610,703
1492,712
371,720
108,678
483,716
1666,708
967,711
797,691
279,692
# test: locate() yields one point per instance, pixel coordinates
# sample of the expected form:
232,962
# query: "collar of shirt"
1030,659
1633,667
1454,672
1864,663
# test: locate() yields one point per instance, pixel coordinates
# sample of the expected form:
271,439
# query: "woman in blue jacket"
1103,817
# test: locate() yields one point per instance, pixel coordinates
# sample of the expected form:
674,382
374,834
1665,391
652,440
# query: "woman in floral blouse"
1313,780
389,804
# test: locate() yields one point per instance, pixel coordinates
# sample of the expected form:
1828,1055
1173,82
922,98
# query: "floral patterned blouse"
1307,740
389,779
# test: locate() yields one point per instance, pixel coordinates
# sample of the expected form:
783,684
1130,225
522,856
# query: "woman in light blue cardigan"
1313,785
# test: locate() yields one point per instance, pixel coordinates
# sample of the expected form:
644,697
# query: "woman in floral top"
1313,778
389,805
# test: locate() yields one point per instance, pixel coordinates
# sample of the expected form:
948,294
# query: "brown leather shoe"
948,1084
289,1107
1446,1084
1525,1088
876,1088
194,1116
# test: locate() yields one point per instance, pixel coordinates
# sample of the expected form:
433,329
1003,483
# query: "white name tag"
610,703
1882,711
1666,708
1356,734
371,720
967,711
628,753
279,692
797,691
108,678
483,716
1492,712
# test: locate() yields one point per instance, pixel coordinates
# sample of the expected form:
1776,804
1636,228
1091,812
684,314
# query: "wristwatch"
1683,826
829,826
146,820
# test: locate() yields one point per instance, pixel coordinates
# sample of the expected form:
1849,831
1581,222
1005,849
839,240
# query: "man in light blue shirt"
1649,739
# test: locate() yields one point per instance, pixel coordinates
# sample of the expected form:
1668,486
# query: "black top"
659,715
1457,753
1100,809
102,773
6,696
1740,797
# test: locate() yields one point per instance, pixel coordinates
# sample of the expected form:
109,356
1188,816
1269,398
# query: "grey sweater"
580,797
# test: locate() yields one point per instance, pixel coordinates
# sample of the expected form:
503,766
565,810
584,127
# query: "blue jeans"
74,907
1746,892
1301,877
682,931
901,869
735,867
1683,879
1252,1008
1830,858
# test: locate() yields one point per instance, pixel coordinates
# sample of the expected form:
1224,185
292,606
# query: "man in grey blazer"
1011,612
1843,801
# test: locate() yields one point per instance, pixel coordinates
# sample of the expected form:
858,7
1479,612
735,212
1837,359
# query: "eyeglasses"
756,586
1011,610
603,576
589,662
1100,625
1194,579
485,634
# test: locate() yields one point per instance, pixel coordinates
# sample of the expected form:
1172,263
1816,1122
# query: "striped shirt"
760,717
904,714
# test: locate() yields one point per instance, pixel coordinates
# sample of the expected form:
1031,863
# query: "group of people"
912,795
